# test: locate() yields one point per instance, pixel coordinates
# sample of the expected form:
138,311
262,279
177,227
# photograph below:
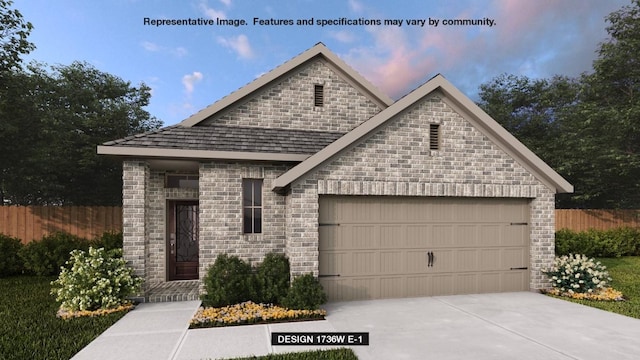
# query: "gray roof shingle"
231,138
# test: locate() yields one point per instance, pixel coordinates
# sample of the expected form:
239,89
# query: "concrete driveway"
489,326
509,326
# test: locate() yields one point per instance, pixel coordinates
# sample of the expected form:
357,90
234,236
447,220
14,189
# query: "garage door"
392,247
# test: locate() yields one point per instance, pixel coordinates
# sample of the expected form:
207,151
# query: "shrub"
577,274
47,256
272,277
10,263
95,279
305,293
229,280
624,241
108,241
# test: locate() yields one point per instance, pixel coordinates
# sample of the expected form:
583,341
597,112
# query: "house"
426,195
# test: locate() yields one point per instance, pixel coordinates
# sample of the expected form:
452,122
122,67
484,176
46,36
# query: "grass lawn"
29,327
337,354
625,272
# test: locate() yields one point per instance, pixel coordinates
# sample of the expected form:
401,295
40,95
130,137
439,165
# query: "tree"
587,128
604,133
531,109
58,116
13,37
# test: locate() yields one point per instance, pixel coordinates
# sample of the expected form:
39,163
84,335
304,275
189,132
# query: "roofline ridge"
317,50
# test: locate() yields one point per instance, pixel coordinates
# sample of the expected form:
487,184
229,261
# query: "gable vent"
318,95
434,137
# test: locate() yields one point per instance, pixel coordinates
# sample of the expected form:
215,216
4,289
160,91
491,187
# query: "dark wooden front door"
182,240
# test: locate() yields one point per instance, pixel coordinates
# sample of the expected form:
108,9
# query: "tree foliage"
14,32
587,128
55,118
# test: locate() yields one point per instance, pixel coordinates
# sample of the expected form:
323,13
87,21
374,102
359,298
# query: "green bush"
305,293
272,277
95,279
228,281
577,274
624,241
47,256
108,241
10,263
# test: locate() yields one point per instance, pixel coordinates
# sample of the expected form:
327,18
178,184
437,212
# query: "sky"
189,67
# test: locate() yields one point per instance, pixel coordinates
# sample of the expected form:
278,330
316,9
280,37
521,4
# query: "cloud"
211,12
226,2
179,51
153,47
190,80
239,44
537,39
343,36
149,46
355,6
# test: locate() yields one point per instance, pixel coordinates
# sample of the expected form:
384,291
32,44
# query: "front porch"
186,290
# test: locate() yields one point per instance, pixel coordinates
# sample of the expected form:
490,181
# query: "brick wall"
221,213
289,104
135,177
390,162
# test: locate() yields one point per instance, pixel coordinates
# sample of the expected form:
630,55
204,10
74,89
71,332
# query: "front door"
182,236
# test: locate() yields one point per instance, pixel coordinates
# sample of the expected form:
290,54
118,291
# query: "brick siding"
289,104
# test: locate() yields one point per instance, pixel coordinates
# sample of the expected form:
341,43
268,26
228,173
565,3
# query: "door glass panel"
186,233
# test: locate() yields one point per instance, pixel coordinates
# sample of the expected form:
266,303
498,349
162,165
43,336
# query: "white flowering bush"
94,279
577,274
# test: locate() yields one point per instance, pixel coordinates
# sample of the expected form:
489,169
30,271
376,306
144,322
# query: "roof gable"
319,50
461,104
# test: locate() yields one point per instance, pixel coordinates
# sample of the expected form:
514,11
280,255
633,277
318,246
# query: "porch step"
187,290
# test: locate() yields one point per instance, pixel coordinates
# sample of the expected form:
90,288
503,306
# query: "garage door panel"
464,236
363,263
514,257
418,236
442,236
490,259
361,237
490,235
513,280
392,237
443,261
334,263
416,261
380,247
365,288
419,286
466,284
442,285
515,235
489,282
392,262
467,260
392,287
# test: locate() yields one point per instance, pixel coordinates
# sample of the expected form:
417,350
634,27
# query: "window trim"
253,183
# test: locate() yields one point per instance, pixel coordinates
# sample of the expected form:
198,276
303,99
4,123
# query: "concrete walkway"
490,326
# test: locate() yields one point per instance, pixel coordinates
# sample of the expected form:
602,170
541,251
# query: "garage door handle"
323,276
430,259
520,268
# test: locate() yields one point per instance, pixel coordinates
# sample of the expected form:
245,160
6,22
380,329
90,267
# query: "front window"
252,206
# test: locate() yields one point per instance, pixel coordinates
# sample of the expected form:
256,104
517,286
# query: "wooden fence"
581,220
33,222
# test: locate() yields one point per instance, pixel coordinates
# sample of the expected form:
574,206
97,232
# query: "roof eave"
148,152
